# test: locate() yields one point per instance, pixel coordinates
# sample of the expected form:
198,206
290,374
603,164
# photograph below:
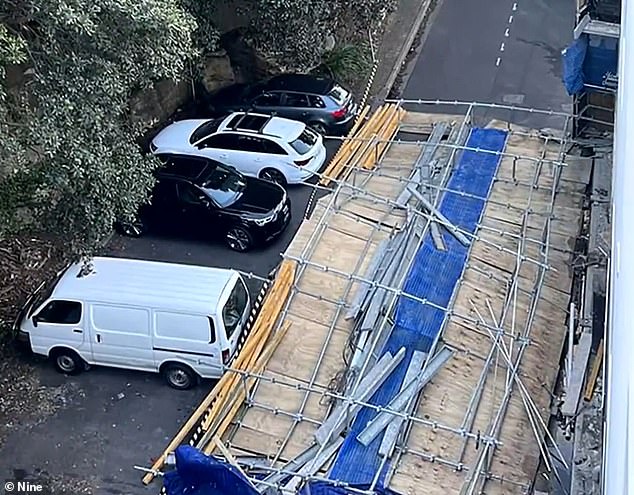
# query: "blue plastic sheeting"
587,61
573,58
323,488
433,276
199,474
601,57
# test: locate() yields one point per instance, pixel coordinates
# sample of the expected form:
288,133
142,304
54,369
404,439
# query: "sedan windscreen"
224,186
305,142
205,130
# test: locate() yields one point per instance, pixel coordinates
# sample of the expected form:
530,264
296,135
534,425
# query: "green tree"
295,31
74,165
69,159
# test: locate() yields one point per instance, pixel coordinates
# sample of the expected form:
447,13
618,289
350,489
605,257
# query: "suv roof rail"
261,129
235,126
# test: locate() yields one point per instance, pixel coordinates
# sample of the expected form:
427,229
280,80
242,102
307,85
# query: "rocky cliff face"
236,62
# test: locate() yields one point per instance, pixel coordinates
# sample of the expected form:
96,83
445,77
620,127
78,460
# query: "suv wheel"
319,128
179,376
239,239
133,229
273,175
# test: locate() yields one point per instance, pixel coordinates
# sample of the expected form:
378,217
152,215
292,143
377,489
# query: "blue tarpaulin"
587,61
433,277
573,58
199,474
323,488
601,58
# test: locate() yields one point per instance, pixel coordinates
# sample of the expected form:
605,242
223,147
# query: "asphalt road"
495,51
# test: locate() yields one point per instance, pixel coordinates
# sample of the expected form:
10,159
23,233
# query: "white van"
180,320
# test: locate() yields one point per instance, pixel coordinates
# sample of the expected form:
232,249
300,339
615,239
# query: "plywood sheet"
486,281
334,245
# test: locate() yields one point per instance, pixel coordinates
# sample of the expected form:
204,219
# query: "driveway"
90,430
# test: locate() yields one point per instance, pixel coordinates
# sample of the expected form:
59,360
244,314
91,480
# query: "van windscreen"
235,308
42,293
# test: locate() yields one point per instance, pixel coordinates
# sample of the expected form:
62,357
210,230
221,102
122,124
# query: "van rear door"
235,314
187,338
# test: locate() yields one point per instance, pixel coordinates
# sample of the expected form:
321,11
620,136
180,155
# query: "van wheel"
67,361
179,376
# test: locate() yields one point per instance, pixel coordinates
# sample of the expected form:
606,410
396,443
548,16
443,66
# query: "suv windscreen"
338,94
205,130
236,306
223,185
305,142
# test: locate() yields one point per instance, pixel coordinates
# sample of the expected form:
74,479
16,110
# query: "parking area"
90,430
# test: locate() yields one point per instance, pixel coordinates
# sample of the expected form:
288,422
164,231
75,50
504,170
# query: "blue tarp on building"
587,61
573,58
602,57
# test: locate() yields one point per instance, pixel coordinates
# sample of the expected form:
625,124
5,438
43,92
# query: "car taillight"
301,163
225,357
339,114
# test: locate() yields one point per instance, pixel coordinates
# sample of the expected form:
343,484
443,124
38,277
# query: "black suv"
205,196
317,101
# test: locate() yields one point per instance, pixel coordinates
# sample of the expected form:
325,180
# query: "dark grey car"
320,102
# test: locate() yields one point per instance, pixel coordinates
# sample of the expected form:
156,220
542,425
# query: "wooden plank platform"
342,237
446,398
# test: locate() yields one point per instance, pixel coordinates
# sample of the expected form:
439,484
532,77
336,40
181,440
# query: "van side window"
234,309
61,313
121,320
179,326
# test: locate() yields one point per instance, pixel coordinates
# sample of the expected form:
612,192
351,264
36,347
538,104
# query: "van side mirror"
35,320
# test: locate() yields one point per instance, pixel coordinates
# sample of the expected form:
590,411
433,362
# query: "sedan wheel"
239,239
273,175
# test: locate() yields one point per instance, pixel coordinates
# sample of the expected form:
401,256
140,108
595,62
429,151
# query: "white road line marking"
497,62
502,47
514,7
510,19
507,33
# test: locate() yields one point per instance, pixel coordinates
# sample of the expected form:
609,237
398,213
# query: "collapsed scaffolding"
412,336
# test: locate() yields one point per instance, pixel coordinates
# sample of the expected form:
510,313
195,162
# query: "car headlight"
263,221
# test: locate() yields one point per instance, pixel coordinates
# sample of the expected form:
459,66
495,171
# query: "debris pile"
24,263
